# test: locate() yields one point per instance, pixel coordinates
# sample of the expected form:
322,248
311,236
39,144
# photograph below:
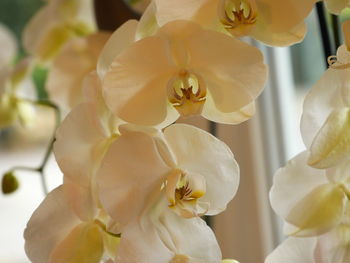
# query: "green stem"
41,168
336,31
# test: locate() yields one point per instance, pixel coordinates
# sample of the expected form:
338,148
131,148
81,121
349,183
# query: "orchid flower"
12,107
161,236
274,22
328,248
56,23
312,201
176,72
197,172
81,141
81,230
325,119
69,68
55,234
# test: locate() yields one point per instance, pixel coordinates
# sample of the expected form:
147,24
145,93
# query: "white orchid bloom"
56,23
56,234
197,171
294,250
160,236
12,106
81,231
312,201
181,71
325,120
81,141
273,22
69,68
328,248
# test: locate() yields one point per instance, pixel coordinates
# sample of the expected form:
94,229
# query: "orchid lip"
238,16
184,190
187,93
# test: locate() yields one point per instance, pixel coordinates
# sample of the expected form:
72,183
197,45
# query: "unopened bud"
9,183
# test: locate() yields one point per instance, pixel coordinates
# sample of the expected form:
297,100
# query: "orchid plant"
136,185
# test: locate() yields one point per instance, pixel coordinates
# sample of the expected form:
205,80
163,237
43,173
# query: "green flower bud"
9,183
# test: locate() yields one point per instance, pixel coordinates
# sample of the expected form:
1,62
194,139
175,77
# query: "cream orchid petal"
118,41
228,71
320,102
203,12
51,222
135,85
281,16
76,140
334,246
38,26
332,144
148,24
131,172
8,47
171,238
294,35
293,250
211,112
319,211
336,6
81,197
92,93
83,244
201,153
195,239
70,66
54,24
293,182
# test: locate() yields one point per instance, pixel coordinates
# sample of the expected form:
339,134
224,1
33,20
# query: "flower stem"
326,41
336,32
41,168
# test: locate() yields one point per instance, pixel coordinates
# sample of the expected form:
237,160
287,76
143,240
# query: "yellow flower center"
180,259
187,93
238,16
183,191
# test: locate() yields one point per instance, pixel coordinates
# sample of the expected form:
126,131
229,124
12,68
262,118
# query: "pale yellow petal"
332,144
83,244
294,35
51,222
293,182
203,12
37,27
294,250
148,24
135,86
206,156
131,173
282,16
320,102
69,68
118,41
210,112
233,71
319,212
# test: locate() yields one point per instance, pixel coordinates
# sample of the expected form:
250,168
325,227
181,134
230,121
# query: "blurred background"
248,230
